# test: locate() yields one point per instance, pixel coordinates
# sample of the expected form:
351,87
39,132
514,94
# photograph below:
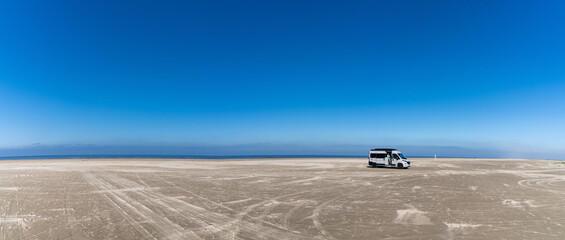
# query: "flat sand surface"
281,199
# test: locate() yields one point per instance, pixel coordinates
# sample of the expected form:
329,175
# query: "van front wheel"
399,166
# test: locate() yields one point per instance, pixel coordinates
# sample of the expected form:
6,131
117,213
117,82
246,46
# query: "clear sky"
470,78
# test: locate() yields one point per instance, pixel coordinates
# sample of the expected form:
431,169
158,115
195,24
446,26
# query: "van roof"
383,149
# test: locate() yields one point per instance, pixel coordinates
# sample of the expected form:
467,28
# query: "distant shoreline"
211,157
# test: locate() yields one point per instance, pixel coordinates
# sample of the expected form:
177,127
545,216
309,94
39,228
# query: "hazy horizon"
480,78
39,150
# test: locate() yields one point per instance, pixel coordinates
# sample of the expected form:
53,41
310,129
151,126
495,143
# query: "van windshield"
402,156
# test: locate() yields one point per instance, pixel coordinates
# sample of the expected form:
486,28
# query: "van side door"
395,158
381,159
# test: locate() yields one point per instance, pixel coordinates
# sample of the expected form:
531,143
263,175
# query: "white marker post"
435,157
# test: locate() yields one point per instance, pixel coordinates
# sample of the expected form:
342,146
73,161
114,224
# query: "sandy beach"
281,199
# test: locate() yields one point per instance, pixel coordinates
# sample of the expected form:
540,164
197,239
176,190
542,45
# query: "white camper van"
388,157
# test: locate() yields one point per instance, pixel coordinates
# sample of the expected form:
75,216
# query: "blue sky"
469,78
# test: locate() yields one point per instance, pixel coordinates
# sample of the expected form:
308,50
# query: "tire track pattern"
150,212
546,184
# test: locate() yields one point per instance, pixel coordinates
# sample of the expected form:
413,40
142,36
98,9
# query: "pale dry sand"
281,199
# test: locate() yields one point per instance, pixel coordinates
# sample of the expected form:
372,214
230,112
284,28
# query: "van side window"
377,155
396,156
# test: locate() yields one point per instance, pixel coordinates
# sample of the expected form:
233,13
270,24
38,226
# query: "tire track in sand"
173,206
541,184
127,206
97,184
288,214
209,222
238,224
316,212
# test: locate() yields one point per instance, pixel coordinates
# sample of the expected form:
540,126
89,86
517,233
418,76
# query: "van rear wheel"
399,166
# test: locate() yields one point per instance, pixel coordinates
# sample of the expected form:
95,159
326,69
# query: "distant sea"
176,156
226,157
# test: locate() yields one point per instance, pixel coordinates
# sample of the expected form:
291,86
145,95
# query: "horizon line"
221,157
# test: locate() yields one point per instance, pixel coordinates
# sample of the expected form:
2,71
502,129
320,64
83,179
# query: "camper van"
387,157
